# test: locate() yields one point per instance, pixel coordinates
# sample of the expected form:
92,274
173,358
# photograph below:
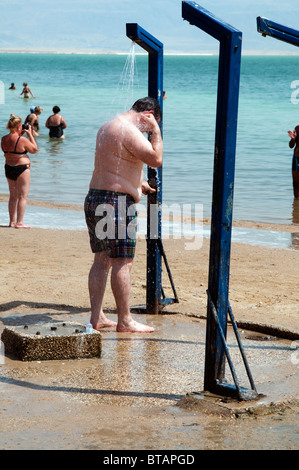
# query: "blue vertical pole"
154,268
223,184
155,90
222,206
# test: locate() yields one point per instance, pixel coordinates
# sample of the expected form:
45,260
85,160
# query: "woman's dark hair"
148,104
56,109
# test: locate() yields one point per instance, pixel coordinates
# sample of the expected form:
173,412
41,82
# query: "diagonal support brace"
241,393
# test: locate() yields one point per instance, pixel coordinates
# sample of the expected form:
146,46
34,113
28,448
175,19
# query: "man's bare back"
121,151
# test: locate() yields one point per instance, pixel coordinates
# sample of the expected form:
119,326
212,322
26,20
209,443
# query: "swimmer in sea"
33,119
26,91
56,124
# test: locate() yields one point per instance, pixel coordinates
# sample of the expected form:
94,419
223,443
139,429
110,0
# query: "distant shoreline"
166,53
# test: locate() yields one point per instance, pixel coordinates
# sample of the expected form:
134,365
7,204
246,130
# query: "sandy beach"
138,393
138,381
42,267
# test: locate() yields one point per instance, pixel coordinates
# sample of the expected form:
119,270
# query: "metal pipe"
215,315
241,348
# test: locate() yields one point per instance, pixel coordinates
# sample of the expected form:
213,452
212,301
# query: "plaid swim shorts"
111,219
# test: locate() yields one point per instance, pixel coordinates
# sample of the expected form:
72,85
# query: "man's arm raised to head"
149,152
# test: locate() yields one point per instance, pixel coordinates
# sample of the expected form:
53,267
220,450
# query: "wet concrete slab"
51,341
149,374
170,361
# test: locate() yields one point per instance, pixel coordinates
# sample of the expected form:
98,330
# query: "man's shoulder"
119,125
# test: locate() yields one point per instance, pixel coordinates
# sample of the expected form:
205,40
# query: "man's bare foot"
12,224
22,226
105,323
134,327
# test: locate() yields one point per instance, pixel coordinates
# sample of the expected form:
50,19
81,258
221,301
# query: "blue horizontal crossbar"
277,31
143,38
205,20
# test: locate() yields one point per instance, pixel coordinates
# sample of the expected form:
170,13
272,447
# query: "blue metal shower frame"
278,31
218,306
155,298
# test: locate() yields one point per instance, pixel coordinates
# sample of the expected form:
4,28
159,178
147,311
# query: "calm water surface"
92,88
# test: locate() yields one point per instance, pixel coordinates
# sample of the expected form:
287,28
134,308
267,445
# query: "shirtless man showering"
121,151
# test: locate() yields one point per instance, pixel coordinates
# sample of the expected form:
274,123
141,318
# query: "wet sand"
88,404
50,267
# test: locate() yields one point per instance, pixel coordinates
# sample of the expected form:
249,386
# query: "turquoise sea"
92,88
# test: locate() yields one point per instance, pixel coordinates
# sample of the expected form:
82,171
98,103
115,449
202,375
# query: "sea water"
92,88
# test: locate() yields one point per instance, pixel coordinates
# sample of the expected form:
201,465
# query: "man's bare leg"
97,283
121,286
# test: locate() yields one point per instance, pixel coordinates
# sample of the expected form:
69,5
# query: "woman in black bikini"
17,168
26,90
56,124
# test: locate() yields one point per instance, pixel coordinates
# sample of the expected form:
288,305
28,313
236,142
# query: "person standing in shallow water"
56,124
121,151
17,168
294,142
33,119
26,91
